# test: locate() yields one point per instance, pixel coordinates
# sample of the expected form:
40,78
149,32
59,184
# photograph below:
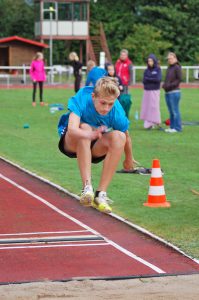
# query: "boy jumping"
96,129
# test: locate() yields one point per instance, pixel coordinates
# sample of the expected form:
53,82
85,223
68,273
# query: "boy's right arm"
74,130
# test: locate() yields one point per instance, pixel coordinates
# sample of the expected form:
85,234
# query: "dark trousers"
78,79
125,90
40,90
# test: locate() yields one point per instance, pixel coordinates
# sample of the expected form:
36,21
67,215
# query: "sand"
173,287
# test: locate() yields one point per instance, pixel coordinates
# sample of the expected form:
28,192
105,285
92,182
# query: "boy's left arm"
129,162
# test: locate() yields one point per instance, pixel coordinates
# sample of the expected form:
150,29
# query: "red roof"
17,38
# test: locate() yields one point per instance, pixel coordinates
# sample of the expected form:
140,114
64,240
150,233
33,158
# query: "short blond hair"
73,56
106,86
90,65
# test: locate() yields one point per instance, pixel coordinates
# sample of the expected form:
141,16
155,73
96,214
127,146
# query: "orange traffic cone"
156,196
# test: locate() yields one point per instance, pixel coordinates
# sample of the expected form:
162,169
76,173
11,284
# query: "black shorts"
95,160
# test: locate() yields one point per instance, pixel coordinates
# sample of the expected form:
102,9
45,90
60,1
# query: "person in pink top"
124,69
38,75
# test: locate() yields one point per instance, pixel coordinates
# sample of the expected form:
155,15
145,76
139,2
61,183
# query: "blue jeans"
172,100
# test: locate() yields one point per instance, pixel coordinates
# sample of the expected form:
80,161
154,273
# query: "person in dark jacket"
111,73
171,86
124,99
77,70
150,110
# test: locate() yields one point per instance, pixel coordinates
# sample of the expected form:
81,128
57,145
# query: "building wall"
62,28
21,53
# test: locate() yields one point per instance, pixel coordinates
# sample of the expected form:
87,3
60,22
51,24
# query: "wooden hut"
17,51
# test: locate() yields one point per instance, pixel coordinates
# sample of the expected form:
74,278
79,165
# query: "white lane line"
42,232
123,250
53,246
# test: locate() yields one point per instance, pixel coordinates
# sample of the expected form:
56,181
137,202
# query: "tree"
16,18
146,39
178,22
118,18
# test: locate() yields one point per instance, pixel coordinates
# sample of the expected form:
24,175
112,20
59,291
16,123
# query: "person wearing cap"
171,86
150,110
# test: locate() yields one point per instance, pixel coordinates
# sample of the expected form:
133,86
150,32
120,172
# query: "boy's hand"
129,164
97,133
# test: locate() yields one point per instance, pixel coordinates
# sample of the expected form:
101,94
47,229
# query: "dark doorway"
4,56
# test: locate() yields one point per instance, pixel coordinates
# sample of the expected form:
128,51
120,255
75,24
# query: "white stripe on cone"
156,173
156,190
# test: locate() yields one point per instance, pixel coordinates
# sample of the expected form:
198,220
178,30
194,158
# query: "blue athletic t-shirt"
95,74
82,105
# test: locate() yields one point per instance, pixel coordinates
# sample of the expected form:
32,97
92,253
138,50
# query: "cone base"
165,204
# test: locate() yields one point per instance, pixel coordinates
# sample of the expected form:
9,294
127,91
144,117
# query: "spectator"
125,99
77,70
38,75
171,86
124,70
150,111
94,73
111,73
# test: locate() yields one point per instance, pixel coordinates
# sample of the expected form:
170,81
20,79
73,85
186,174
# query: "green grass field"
36,149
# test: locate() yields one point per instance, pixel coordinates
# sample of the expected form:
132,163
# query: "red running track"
47,235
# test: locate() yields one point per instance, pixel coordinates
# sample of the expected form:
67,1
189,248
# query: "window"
64,11
69,11
80,12
46,13
77,12
84,11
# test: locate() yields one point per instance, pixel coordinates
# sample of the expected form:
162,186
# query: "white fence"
186,69
20,74
63,74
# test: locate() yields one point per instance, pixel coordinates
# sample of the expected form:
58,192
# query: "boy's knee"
117,139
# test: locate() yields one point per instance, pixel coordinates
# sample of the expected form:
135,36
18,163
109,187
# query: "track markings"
53,246
115,245
41,233
47,239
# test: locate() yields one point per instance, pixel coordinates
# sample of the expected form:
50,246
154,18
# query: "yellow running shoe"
87,196
101,203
